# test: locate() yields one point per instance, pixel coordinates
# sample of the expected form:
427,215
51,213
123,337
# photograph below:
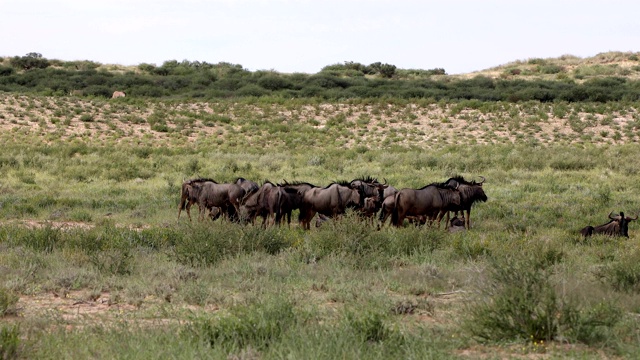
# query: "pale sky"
288,36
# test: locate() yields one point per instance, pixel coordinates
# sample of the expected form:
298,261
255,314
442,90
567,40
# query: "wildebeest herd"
244,201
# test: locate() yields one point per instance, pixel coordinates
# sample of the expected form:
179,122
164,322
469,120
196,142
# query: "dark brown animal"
388,204
264,202
456,225
187,196
427,201
369,187
470,193
291,198
617,226
330,201
210,194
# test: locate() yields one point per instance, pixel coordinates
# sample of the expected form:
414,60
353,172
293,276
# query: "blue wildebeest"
291,198
330,201
188,196
470,192
617,226
210,194
428,201
371,195
263,201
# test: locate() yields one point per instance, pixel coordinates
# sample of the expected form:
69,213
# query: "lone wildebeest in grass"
617,226
118,94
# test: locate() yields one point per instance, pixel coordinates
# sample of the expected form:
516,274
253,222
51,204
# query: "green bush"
8,301
520,302
623,274
9,342
259,326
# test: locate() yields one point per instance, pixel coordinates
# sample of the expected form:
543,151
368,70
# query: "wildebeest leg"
467,218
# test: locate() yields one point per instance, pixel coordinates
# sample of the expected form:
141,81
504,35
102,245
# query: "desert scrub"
520,302
258,325
8,302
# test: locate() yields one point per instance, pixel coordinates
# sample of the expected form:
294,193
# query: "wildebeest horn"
483,179
612,218
630,218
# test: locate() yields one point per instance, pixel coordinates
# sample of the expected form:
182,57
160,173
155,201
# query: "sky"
288,36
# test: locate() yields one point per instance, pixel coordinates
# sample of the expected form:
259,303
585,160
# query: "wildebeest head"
369,187
470,191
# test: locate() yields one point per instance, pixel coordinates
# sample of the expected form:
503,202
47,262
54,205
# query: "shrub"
8,301
521,303
624,274
258,326
29,61
9,341
273,83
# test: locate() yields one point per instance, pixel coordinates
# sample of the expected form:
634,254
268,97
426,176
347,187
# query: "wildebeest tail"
383,210
183,198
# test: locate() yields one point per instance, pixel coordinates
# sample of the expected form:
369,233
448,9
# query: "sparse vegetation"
93,262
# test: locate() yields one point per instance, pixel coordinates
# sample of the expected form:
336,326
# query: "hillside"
603,78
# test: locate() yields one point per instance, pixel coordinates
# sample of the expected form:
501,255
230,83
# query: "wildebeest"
617,226
456,224
371,195
470,192
427,201
291,198
210,194
329,201
118,94
263,201
188,197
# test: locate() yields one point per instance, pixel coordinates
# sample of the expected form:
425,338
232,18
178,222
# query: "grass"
94,262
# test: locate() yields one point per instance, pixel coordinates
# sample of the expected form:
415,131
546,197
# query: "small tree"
30,61
387,70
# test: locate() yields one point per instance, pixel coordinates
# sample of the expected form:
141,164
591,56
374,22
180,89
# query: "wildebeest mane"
199,180
460,179
341,183
366,179
438,185
295,182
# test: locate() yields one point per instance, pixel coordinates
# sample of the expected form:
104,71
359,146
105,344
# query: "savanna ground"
94,264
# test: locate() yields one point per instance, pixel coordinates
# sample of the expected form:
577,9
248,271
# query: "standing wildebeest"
470,192
187,196
210,194
618,226
371,195
427,201
291,198
330,201
264,202
118,94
